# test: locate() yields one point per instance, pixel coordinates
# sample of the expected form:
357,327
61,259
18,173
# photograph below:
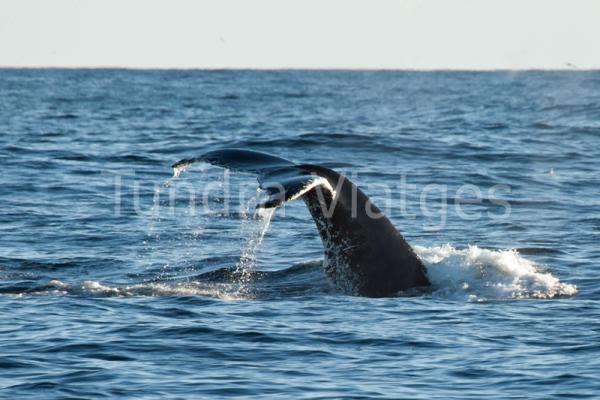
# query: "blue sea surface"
118,280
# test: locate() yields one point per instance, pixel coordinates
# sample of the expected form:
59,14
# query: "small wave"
480,274
493,126
229,97
542,125
538,250
294,95
62,116
312,139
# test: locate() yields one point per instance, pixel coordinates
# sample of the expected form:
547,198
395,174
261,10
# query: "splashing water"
255,234
254,227
480,274
180,167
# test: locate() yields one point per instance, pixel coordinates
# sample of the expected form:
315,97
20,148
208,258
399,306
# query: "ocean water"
119,280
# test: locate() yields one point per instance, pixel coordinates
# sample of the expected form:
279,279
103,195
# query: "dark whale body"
364,253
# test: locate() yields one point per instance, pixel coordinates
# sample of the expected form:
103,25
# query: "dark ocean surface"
116,280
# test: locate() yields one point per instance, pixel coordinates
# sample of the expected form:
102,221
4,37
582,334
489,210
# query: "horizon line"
357,69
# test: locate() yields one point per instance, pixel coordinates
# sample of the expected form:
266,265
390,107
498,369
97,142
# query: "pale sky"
376,34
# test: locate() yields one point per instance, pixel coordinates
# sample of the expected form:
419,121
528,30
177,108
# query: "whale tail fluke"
282,179
237,160
364,253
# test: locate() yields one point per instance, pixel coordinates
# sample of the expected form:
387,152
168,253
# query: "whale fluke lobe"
237,160
364,253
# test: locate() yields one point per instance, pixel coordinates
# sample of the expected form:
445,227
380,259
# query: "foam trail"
94,288
469,274
477,274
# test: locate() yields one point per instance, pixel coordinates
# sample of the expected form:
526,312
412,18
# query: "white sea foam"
478,274
221,291
471,274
